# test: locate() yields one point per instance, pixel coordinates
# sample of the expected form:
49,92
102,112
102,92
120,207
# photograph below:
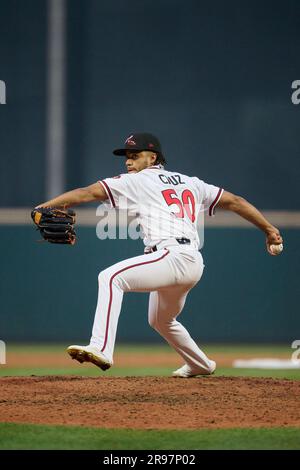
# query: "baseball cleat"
186,371
89,354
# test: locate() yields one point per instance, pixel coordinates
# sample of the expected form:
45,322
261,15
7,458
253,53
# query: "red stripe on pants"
110,289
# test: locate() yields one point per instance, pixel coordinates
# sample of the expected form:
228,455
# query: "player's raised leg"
143,273
138,274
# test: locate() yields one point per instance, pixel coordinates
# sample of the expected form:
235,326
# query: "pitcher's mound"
151,402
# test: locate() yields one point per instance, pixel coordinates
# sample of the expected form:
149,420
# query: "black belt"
181,241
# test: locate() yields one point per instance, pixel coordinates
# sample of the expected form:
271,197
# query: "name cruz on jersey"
173,179
163,211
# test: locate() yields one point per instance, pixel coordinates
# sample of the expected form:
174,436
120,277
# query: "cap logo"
130,141
150,145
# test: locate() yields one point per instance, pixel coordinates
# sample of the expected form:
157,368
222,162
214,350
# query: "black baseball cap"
139,142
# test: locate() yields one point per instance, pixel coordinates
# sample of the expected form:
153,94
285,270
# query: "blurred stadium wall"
213,81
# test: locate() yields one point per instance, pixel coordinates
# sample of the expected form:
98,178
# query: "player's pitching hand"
274,242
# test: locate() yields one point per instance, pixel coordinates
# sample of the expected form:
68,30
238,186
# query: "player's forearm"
70,198
246,210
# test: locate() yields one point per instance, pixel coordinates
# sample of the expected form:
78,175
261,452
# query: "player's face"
138,161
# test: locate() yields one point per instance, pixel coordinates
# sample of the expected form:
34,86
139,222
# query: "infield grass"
86,371
25,436
158,348
37,351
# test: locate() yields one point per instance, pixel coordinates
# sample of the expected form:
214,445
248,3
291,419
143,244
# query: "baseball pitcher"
167,204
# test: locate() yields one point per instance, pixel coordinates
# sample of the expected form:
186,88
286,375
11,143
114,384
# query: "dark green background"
211,79
49,292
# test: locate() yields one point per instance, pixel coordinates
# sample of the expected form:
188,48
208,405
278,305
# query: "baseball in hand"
276,249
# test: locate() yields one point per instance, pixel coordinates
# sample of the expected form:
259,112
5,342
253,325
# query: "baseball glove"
55,225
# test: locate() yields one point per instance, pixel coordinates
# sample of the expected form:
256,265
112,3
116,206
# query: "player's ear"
155,158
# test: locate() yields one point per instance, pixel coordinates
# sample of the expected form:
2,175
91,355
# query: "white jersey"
167,206
166,203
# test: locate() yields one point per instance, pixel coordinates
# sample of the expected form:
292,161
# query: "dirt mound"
151,402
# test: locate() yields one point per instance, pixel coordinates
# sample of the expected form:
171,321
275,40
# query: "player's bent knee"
152,323
108,276
105,276
119,282
160,325
155,323
102,277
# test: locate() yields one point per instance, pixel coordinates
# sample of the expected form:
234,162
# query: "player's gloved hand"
55,224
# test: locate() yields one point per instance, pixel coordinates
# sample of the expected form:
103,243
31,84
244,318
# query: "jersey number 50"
186,204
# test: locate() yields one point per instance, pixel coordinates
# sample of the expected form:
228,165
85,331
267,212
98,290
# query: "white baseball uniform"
167,205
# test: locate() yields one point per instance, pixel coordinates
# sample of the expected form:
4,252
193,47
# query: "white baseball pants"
168,274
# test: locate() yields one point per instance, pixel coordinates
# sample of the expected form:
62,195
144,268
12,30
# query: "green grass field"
211,350
20,436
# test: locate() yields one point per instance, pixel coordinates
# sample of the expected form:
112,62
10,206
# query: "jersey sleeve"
209,195
120,191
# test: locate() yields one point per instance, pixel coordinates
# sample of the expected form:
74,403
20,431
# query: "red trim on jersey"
111,294
108,192
213,205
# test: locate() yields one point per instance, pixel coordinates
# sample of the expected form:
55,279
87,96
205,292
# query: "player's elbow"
230,201
95,192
